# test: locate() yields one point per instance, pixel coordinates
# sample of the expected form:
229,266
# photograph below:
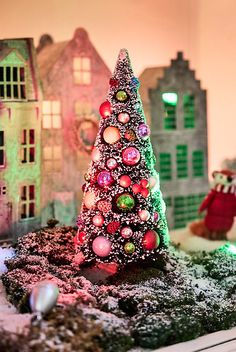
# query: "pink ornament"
104,179
123,117
105,109
150,240
156,216
90,200
125,181
126,232
111,135
130,156
111,164
95,154
101,246
98,220
144,214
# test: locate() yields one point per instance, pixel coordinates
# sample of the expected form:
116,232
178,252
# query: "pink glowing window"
12,83
27,205
2,149
51,114
82,70
28,146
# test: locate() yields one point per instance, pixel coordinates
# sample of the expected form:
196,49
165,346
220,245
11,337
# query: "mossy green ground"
176,298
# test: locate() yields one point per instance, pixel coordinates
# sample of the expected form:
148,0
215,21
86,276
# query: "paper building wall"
175,106
20,138
74,79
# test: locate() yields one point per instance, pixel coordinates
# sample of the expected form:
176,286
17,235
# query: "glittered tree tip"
123,65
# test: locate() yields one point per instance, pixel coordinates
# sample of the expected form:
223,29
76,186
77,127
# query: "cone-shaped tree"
122,218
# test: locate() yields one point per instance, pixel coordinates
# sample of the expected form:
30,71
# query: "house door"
5,214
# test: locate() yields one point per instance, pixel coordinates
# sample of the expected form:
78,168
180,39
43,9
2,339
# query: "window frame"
9,84
170,111
51,114
80,71
27,201
165,166
28,148
198,163
182,169
189,112
52,162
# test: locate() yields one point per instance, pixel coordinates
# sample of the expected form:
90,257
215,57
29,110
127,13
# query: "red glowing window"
27,204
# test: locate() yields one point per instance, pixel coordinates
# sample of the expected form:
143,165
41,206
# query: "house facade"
20,139
75,83
175,106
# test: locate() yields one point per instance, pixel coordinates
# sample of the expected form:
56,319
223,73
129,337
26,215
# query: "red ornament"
144,192
136,188
113,227
104,206
131,156
150,240
114,82
79,238
105,109
125,181
144,183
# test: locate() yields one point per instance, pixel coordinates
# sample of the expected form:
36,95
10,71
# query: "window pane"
198,163
47,121
2,91
48,165
56,108
86,64
170,101
1,138
31,210
57,166
57,152
23,211
77,64
165,166
22,91
56,121
8,91
182,161
47,153
31,192
86,77
23,193
24,155
46,107
78,77
15,91
22,74
189,111
8,74
24,137
31,137
2,157
15,74
31,154
1,74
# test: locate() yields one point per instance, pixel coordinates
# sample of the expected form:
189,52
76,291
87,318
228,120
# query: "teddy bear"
220,207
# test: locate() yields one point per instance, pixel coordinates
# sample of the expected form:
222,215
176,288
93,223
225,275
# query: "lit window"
52,158
189,111
198,163
165,166
170,101
186,209
182,161
27,202
82,70
51,114
2,149
28,146
12,82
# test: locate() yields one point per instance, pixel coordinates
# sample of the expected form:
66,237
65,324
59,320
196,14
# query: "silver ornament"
43,297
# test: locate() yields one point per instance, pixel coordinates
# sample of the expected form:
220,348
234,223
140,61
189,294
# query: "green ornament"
129,248
125,202
121,95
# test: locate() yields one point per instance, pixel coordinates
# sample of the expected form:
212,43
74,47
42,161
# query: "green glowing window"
52,158
168,202
170,101
186,209
189,111
51,114
165,166
12,83
2,149
27,203
82,70
28,146
198,163
182,161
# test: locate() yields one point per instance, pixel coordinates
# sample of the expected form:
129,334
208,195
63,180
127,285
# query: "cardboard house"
20,139
175,107
75,82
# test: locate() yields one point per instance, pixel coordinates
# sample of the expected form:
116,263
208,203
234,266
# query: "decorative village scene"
115,235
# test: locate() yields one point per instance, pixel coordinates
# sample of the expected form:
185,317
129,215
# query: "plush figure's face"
224,178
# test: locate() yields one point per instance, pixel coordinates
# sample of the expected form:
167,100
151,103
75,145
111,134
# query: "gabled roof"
48,56
149,79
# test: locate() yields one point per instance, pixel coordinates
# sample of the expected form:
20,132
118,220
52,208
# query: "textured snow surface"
5,253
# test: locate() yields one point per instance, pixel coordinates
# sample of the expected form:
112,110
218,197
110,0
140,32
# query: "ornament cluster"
123,214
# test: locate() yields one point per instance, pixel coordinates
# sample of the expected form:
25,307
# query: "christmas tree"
122,217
